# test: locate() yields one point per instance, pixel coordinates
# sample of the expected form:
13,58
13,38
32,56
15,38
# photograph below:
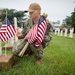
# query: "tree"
11,13
73,19
67,22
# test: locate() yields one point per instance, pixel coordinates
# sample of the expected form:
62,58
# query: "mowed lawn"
58,59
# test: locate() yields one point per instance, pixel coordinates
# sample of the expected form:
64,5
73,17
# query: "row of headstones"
64,33
13,39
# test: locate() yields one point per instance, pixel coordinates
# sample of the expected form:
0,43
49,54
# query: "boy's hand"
18,32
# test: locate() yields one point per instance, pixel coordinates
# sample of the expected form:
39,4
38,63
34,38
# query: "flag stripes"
7,30
41,31
31,36
36,33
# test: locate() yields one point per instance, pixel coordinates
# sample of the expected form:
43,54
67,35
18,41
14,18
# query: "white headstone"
58,32
15,24
65,34
61,33
71,33
11,41
55,31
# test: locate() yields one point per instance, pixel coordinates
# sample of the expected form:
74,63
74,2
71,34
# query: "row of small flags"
7,30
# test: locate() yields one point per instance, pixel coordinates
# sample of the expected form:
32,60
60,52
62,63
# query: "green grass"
74,35
58,59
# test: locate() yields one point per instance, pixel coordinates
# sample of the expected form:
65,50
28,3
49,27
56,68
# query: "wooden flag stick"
6,24
23,50
5,50
0,48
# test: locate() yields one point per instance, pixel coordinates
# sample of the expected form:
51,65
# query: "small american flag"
7,30
36,33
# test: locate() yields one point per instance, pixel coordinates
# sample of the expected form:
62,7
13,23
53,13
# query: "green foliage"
73,18
70,20
58,59
67,22
11,13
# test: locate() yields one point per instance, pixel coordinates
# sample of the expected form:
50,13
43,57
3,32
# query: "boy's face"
34,14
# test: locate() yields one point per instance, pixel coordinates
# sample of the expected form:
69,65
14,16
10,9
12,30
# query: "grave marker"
71,33
65,34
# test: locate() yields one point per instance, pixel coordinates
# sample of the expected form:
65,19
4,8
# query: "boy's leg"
38,53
